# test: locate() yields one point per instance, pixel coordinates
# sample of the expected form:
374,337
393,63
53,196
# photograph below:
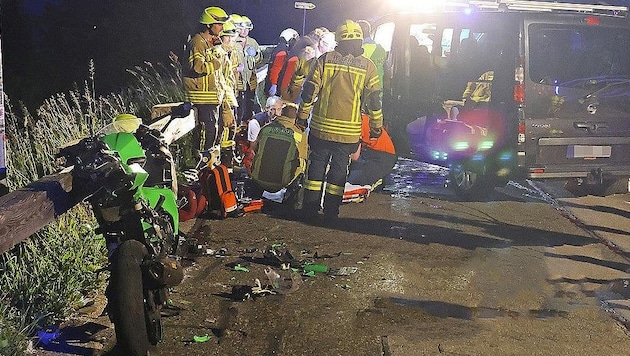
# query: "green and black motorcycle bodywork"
130,182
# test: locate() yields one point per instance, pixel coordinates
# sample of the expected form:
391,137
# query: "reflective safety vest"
376,53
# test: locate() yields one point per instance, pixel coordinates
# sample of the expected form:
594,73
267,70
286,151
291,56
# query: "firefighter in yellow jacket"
204,83
231,75
250,58
339,86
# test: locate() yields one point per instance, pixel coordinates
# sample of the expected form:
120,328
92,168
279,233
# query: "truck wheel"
126,295
470,184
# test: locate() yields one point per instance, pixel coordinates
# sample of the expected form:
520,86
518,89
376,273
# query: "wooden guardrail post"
26,210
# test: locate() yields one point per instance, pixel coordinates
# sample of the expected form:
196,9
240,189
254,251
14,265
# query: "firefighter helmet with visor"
212,15
247,23
349,30
229,29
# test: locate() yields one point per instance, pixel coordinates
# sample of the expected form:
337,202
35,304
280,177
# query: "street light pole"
304,6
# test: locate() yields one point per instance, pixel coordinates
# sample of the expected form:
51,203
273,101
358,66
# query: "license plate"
580,151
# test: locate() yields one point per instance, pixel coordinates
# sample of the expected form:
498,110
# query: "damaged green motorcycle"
127,173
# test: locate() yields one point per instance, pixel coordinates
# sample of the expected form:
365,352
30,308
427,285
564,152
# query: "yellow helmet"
126,123
237,19
212,15
247,23
349,30
229,29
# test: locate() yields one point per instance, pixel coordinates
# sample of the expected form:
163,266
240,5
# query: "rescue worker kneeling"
374,160
280,158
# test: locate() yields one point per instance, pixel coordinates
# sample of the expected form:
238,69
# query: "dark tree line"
47,53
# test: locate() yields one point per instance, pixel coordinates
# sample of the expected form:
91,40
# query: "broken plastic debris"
241,268
202,338
315,267
47,335
344,271
259,290
273,276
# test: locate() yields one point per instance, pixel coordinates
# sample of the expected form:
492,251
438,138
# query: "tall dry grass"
44,279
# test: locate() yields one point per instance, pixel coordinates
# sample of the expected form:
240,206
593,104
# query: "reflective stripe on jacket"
204,82
231,76
338,85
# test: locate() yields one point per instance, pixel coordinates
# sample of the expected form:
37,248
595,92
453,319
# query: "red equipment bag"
218,189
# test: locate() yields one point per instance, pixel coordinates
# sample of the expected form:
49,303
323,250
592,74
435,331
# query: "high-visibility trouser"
322,155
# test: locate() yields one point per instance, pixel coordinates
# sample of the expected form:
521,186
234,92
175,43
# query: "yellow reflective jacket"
480,91
340,84
295,85
250,63
204,81
231,75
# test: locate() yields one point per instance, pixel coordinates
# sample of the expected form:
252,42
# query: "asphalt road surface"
413,270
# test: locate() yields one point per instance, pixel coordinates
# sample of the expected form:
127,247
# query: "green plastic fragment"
315,267
202,338
241,268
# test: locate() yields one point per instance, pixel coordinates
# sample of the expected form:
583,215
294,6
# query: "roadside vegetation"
46,278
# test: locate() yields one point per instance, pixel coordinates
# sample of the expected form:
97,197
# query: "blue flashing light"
478,157
506,156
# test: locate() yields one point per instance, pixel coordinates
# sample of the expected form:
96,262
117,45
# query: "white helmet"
289,33
327,42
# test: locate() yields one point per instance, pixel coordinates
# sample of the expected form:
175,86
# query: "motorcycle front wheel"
126,299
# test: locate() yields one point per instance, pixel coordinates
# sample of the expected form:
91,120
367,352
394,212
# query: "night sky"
270,17
113,57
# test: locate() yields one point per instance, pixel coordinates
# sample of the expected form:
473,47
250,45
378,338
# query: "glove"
375,133
250,51
273,89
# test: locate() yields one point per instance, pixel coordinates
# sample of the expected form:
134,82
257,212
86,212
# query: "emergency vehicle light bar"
524,5
509,5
